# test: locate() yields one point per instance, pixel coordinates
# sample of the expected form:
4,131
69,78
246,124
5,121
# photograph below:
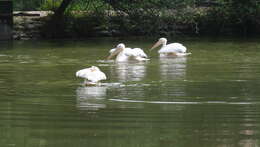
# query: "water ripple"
186,103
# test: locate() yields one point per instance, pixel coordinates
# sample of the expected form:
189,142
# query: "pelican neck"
164,44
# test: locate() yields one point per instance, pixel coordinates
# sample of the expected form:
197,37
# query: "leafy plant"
50,5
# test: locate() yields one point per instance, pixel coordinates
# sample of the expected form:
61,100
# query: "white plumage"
125,54
91,75
172,49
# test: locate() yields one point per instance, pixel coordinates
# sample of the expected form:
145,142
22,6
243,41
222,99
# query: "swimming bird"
124,54
172,49
91,75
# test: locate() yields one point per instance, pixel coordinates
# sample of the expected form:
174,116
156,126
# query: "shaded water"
210,98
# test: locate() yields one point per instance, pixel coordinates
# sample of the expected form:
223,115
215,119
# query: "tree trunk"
58,25
60,11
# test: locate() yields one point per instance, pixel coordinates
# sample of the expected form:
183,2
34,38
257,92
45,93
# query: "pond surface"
210,98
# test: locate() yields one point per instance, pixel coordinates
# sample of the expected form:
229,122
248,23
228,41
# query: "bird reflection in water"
130,71
173,68
91,98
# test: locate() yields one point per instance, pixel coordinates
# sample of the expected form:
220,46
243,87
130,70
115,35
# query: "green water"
210,98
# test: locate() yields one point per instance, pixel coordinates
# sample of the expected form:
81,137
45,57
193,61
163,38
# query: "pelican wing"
135,52
173,47
138,52
91,75
128,52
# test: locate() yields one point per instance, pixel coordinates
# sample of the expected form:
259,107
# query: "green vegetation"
154,17
50,5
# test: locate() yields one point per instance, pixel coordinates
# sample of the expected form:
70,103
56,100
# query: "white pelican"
125,54
91,75
172,49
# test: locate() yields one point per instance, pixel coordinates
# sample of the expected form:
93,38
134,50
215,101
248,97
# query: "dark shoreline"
31,25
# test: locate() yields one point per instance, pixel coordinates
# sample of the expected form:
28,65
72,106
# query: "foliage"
160,17
50,5
25,5
236,16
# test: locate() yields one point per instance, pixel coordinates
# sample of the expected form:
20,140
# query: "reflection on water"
210,98
248,143
132,71
173,68
94,97
91,98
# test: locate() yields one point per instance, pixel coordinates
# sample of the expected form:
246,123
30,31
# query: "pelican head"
162,41
119,48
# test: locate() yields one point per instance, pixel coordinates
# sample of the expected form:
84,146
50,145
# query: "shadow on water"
6,45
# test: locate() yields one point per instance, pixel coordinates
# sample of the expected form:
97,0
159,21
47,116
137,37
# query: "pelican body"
172,49
124,54
91,75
